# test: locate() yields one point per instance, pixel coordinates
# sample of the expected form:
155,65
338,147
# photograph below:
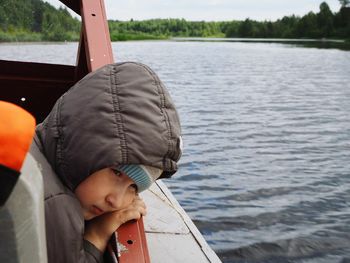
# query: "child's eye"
116,172
135,187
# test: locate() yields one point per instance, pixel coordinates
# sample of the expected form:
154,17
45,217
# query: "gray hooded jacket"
119,114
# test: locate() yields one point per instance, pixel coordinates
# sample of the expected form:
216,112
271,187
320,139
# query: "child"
107,139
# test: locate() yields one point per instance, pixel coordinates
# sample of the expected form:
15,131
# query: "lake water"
266,170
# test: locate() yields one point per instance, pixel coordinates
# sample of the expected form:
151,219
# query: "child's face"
105,191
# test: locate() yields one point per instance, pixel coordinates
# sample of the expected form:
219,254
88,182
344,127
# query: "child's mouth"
96,210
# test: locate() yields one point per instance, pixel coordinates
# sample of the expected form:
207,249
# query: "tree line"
165,28
324,24
35,20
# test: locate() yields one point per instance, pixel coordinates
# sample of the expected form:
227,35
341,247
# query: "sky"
210,10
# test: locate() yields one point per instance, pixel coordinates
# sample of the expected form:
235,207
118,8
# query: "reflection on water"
266,169
312,43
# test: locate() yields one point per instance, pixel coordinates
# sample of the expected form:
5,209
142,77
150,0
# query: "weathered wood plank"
161,215
172,248
170,232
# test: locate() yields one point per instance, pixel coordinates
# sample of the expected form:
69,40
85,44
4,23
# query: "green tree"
307,26
325,20
38,9
245,29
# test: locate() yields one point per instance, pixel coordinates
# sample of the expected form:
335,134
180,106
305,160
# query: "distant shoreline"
195,39
341,44
306,42
238,39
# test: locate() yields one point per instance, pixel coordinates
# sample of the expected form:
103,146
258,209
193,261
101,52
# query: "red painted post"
98,49
95,51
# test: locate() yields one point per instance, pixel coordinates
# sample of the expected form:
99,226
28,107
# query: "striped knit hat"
142,175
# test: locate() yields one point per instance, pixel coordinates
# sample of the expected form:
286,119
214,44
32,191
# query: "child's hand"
134,211
99,230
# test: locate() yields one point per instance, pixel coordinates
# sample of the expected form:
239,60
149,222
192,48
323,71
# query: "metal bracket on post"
132,244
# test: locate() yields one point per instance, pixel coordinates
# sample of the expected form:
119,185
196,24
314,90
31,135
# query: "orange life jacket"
17,128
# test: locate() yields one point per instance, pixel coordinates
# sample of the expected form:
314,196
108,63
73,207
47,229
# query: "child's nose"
114,201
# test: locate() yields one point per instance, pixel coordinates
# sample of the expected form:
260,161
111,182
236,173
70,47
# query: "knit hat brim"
143,176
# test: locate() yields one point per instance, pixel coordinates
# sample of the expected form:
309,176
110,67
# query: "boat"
166,234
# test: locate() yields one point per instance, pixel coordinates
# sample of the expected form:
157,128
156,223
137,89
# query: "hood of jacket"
119,114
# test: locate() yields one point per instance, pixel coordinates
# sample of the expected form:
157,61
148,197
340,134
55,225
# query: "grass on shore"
136,36
25,36
20,36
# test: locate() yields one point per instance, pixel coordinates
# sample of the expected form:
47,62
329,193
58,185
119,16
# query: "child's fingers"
137,202
134,211
138,209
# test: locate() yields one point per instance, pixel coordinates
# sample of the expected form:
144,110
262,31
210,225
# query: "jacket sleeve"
65,231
